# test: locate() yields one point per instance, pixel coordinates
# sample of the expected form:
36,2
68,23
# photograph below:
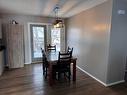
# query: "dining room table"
52,58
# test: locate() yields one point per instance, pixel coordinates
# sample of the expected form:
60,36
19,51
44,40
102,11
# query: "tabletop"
53,56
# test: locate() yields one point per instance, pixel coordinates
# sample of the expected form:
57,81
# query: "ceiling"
45,7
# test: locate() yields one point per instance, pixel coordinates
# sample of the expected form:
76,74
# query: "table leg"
74,70
50,75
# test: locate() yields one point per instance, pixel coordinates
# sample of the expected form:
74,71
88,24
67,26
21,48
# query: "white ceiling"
45,7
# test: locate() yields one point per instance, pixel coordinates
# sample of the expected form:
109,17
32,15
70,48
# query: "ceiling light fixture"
58,23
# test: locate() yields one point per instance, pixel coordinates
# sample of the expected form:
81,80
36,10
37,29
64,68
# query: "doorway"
38,41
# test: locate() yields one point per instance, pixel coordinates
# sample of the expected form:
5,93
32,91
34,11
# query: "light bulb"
57,25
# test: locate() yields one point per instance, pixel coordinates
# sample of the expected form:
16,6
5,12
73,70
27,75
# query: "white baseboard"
92,76
106,85
114,83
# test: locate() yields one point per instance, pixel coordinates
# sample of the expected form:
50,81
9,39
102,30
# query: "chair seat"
58,69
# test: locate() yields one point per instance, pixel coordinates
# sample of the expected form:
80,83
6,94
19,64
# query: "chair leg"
45,72
43,69
59,75
69,75
54,75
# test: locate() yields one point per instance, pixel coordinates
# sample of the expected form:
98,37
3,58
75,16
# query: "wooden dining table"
52,58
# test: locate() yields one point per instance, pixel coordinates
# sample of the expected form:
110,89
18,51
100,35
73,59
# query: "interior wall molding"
106,85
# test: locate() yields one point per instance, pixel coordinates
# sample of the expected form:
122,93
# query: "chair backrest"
51,47
70,50
64,59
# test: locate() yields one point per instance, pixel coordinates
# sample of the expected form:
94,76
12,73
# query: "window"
55,38
38,41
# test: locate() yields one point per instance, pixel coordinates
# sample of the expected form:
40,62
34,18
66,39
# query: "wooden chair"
70,50
64,65
45,63
51,47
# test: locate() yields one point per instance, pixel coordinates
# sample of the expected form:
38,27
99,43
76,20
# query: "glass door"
37,41
55,38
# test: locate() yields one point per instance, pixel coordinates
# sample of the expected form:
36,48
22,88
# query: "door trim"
27,41
31,40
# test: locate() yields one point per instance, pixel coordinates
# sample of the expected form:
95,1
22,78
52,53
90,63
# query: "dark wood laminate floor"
29,81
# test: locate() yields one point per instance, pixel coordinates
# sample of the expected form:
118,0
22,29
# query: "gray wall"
118,43
99,38
89,34
1,62
1,53
24,20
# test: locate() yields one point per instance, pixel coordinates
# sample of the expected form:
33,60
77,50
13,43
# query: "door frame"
27,40
31,40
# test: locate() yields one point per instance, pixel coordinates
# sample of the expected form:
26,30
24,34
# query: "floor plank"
29,81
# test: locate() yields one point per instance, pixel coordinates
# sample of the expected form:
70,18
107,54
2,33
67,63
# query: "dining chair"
64,65
45,63
51,47
70,50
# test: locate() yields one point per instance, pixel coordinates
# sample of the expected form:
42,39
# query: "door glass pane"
38,41
55,37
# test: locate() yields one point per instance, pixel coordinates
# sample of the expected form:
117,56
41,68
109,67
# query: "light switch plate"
121,12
